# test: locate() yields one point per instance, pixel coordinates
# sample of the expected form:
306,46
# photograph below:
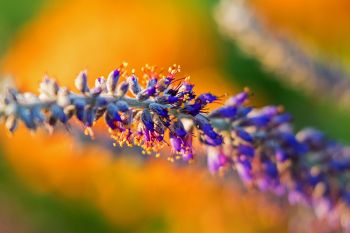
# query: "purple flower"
178,129
152,82
182,145
164,83
270,169
112,81
166,99
281,155
241,133
206,98
186,88
211,137
110,122
258,121
289,139
281,119
176,143
123,88
243,111
134,84
224,112
81,82
192,109
247,150
146,93
147,120
112,111
159,109
238,99
244,169
216,159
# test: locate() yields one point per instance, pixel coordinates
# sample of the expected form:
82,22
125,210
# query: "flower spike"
259,144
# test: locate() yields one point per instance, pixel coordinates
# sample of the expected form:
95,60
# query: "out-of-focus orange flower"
320,23
133,195
98,35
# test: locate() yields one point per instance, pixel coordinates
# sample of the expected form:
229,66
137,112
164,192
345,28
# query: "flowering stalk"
258,143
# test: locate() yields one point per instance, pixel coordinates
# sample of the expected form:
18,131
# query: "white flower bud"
112,81
81,82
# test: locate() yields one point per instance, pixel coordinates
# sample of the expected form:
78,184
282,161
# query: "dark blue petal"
207,98
146,119
244,135
112,111
224,112
89,116
159,109
178,129
238,99
246,150
270,169
192,109
58,113
79,109
110,122
283,118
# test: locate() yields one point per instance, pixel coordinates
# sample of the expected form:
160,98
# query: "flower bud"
96,91
216,159
112,81
101,83
123,89
11,123
147,121
152,82
63,97
159,109
164,83
112,111
206,98
48,87
246,150
238,99
209,136
178,129
146,93
134,84
224,112
81,82
244,169
242,134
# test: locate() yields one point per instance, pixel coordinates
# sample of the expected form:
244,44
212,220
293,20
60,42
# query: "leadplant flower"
159,109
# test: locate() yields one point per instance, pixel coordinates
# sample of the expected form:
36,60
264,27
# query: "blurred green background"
24,210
